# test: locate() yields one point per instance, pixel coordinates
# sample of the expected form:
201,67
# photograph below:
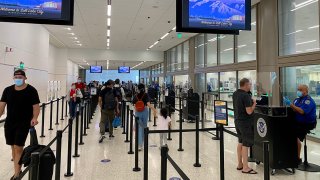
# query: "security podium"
276,125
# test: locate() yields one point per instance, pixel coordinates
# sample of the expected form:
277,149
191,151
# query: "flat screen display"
58,12
213,16
221,112
95,69
124,69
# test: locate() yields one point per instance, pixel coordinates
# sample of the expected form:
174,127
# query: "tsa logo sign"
262,127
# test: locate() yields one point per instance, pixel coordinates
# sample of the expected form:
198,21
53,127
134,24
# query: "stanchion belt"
177,168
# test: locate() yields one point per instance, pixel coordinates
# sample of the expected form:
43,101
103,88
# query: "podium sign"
221,112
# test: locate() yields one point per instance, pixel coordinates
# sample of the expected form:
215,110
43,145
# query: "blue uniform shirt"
308,105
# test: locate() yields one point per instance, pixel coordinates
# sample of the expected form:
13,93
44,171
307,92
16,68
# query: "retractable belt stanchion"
76,137
51,108
197,164
123,110
164,160
131,134
81,126
62,108
58,154
127,124
266,163
35,162
180,130
169,133
42,119
122,113
136,159
85,119
145,158
161,105
66,109
202,114
217,137
57,115
150,115
89,114
69,173
220,127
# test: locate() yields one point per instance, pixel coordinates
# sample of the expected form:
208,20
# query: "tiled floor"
89,166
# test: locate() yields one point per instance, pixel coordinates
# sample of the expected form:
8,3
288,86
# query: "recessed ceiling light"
108,32
79,44
69,29
108,40
71,34
109,22
108,44
109,10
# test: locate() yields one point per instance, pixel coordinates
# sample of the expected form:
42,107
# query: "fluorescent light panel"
313,27
109,21
294,32
108,32
306,42
303,4
109,10
164,36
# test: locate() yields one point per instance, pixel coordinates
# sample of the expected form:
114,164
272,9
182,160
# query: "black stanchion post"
217,137
150,115
169,133
42,119
136,158
131,129
57,114
197,164
202,113
76,136
220,127
127,124
66,108
58,155
161,105
180,130
69,173
164,159
122,113
123,117
145,158
250,158
62,107
266,160
86,117
81,126
89,114
34,170
51,108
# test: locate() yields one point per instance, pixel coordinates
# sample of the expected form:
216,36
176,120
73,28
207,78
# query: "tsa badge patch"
262,127
307,102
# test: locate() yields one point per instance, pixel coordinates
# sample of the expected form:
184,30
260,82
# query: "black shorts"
245,133
16,134
302,129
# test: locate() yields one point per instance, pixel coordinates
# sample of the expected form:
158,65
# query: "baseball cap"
19,72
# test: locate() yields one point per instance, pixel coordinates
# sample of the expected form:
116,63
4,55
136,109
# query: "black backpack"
109,100
118,93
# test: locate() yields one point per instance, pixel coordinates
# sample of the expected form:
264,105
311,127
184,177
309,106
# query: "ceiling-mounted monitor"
123,69
58,12
213,16
95,69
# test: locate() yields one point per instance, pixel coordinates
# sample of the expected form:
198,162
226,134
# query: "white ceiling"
131,29
116,64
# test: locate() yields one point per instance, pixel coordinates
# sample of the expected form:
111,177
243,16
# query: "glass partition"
291,77
186,55
227,49
173,61
228,84
199,50
212,49
298,26
179,58
252,76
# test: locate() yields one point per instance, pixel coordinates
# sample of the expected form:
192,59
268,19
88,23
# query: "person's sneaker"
101,139
111,136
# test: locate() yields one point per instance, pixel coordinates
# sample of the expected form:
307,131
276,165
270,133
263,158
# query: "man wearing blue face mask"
305,109
23,109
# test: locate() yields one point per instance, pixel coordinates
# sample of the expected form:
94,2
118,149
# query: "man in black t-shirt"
244,106
108,103
22,101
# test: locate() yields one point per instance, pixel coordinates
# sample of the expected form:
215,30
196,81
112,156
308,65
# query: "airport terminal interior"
192,57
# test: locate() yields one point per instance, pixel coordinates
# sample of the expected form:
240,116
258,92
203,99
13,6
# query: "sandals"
251,171
239,169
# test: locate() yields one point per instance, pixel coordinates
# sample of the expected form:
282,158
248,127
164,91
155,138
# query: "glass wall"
186,55
252,76
199,50
173,61
179,58
247,49
212,49
291,77
228,84
298,26
227,49
200,84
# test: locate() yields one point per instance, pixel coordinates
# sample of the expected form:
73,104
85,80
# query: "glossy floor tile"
89,166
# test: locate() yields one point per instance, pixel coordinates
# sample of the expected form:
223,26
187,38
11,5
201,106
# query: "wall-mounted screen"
213,16
95,69
58,12
123,69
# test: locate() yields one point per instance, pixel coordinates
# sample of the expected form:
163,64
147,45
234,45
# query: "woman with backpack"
141,101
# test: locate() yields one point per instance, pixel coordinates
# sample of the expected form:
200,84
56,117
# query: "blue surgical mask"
299,94
18,82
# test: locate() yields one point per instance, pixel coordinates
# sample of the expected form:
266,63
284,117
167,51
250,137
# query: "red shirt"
72,92
80,85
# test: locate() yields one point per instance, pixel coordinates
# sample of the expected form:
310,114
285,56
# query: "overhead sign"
221,112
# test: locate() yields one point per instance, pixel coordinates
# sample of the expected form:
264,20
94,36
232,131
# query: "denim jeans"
143,119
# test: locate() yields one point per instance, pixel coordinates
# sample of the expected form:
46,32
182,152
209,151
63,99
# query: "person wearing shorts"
244,106
22,102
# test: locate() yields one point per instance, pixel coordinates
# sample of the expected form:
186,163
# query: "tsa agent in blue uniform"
305,109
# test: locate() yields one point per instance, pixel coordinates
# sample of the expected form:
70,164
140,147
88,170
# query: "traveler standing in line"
164,124
119,94
22,101
305,110
141,101
108,103
73,101
244,106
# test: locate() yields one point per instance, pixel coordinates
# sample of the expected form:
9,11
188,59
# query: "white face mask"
79,80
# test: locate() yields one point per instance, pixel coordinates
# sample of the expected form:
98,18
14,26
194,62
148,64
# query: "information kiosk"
276,125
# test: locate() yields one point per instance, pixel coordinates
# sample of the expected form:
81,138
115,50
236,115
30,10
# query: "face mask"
18,82
79,81
299,94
